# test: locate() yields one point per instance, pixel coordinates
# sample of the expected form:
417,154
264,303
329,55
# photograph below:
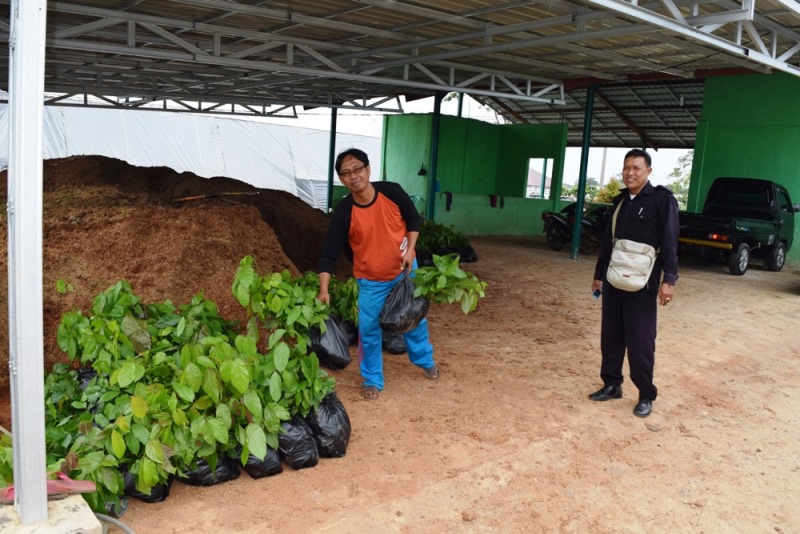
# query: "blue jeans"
371,296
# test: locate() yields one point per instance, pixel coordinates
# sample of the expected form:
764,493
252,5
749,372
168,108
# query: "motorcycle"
558,227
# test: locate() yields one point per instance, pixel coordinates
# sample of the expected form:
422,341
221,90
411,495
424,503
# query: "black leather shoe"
643,408
609,391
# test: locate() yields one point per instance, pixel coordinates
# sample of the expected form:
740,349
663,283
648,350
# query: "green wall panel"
452,151
474,214
409,150
750,128
477,161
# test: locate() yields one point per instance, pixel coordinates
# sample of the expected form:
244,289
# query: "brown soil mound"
105,220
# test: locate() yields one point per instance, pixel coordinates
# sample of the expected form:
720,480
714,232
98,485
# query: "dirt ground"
506,441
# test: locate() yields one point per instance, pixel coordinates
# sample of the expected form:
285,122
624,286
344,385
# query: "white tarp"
265,155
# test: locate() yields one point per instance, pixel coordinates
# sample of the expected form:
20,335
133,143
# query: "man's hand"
665,293
408,260
597,284
324,283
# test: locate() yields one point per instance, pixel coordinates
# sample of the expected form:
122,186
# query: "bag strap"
614,220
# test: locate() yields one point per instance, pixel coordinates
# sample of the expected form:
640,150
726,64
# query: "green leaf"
211,385
117,444
148,475
237,374
184,392
246,346
224,414
193,377
154,451
123,423
129,373
293,316
276,336
203,403
219,430
179,418
256,441
141,433
275,387
253,403
138,406
280,412
281,355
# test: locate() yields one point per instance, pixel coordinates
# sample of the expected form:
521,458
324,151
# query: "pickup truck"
742,217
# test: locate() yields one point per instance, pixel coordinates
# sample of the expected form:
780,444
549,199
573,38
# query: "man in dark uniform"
647,214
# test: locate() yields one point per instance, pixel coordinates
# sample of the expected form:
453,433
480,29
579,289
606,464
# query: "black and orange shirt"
375,233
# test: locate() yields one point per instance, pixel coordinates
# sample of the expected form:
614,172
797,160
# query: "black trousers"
629,322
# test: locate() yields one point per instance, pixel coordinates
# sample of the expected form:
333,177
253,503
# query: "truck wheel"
739,259
776,257
554,239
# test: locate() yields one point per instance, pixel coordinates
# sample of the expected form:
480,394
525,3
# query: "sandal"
56,489
370,392
432,373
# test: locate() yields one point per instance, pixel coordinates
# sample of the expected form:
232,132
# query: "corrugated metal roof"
530,60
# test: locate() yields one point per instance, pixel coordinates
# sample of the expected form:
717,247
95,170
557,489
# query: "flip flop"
65,485
56,489
432,373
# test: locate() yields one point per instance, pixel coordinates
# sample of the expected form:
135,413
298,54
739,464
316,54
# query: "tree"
607,193
682,173
572,192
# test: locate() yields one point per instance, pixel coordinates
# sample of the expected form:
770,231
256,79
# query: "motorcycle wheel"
554,239
589,244
586,248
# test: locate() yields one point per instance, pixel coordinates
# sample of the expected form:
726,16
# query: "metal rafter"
256,56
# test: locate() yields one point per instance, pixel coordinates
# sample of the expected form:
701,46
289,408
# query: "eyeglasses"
347,173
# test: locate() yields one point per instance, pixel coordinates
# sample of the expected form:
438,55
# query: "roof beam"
629,9
624,118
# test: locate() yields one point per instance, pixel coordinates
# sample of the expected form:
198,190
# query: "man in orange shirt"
379,224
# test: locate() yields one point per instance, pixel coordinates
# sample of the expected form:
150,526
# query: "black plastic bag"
394,343
352,332
332,347
330,427
468,255
226,470
270,465
158,493
296,444
402,312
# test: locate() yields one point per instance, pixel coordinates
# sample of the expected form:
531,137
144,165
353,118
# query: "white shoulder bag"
631,262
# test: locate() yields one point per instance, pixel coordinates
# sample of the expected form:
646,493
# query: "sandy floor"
508,442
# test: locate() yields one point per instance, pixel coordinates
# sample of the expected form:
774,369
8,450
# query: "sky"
371,124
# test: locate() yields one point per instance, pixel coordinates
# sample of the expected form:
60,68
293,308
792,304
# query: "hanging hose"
116,522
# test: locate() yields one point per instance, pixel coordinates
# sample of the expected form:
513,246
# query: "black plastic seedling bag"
296,444
158,493
402,312
394,343
330,427
352,332
331,347
226,470
268,466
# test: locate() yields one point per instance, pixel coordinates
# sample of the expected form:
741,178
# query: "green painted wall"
408,151
750,127
477,161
